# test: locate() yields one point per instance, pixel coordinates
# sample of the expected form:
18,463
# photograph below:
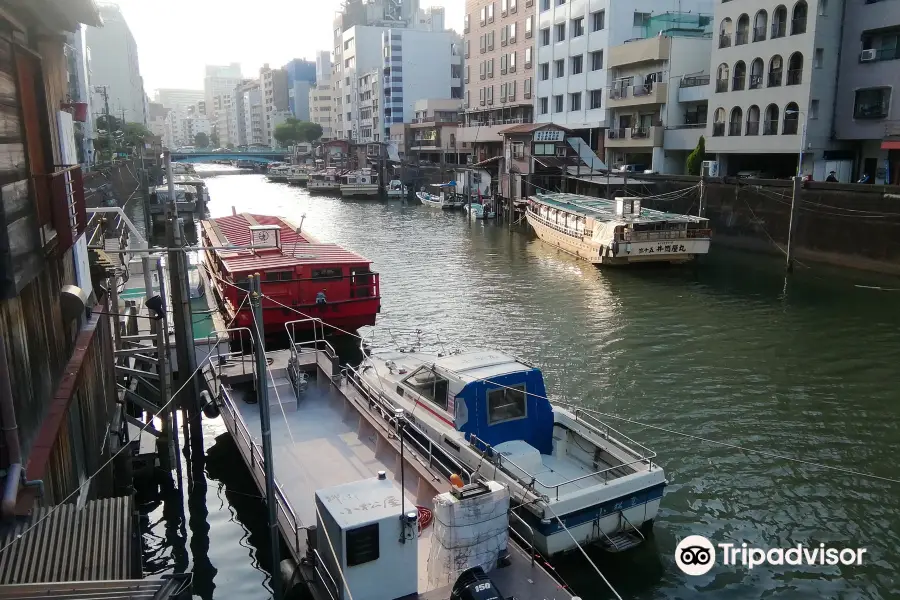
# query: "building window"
512,33
545,36
529,23
795,69
578,27
743,30
813,109
559,68
719,122
544,105
518,149
544,71
770,125
466,24
641,19
575,101
512,62
737,121
483,14
779,22
872,103
596,60
527,91
577,64
545,5
798,20
503,7
791,119
490,12
596,97
760,24
725,31
818,58
560,32
776,69
528,57
558,103
560,2
598,20
513,6
753,120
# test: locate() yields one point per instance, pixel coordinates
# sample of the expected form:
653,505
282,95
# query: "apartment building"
114,64
433,132
218,80
248,113
657,101
224,121
156,121
273,83
573,41
366,122
320,108
867,113
499,73
179,98
774,71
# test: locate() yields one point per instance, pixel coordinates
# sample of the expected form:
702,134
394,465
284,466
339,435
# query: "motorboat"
565,468
478,210
445,199
363,182
298,175
278,172
396,190
324,182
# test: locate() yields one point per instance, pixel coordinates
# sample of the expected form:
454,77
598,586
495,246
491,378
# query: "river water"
725,349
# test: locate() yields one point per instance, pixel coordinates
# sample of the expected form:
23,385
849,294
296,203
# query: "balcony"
724,40
741,38
798,26
693,89
683,137
653,49
635,137
759,34
756,82
770,127
795,77
721,85
873,55
752,127
778,30
735,128
774,79
637,95
737,83
718,129
790,126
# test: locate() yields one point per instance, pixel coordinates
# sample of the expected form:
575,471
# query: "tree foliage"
695,158
214,138
201,140
135,134
113,125
294,130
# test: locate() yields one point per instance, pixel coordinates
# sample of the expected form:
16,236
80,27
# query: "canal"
723,350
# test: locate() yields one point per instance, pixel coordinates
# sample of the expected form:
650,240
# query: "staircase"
622,541
586,154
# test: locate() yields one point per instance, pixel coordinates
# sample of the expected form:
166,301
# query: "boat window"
506,404
430,385
328,273
279,276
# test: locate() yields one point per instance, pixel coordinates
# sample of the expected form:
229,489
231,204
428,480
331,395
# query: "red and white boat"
294,268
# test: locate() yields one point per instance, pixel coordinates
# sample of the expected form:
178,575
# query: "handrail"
622,514
561,228
619,435
217,366
530,529
319,561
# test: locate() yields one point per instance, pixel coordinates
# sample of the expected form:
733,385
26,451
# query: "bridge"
257,156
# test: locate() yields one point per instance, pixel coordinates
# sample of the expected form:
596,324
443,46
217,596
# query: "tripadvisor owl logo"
696,555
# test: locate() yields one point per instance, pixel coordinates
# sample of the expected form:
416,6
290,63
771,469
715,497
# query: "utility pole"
795,198
701,210
181,298
265,426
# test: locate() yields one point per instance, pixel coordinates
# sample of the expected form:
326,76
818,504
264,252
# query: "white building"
179,98
156,120
415,65
225,119
220,79
273,83
320,108
323,66
572,42
79,70
657,103
114,64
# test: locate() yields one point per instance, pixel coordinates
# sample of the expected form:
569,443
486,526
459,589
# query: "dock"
326,430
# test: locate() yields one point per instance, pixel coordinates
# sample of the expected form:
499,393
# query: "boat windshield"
430,385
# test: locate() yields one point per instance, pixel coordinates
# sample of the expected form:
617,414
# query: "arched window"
722,78
776,68
743,30
740,76
757,70
725,31
770,125
779,22
795,69
798,18
760,23
753,120
719,122
736,122
791,118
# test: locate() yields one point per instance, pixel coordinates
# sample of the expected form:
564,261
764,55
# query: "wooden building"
57,383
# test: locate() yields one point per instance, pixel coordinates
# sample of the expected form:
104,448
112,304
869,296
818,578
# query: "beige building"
433,132
273,84
499,71
320,108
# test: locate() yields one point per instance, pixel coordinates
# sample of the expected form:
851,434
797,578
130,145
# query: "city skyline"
204,32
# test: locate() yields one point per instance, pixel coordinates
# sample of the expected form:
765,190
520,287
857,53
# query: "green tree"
135,134
201,140
214,137
294,130
101,123
230,146
695,158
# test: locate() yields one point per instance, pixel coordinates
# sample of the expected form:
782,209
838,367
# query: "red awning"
890,145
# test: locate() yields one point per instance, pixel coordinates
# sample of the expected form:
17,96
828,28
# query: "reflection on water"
722,349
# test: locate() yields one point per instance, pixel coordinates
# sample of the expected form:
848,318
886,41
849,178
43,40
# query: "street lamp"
802,137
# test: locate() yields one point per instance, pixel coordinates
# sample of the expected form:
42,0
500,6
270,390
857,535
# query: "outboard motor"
473,584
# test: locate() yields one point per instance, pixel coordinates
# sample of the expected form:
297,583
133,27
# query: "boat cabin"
487,394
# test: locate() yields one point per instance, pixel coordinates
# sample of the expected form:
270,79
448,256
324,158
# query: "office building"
114,65
273,83
323,66
301,77
320,108
218,80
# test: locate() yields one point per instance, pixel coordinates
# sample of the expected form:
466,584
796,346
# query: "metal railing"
320,562
734,128
741,38
721,85
770,127
594,424
790,127
798,25
718,129
616,134
630,235
794,77
759,33
778,29
755,82
737,83
218,359
561,228
694,81
774,79
724,40
752,127
530,529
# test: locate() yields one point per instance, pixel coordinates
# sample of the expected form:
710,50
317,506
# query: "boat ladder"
628,536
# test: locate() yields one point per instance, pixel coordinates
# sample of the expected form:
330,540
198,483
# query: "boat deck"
324,440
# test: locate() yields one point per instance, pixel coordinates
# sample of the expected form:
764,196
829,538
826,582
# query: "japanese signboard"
549,135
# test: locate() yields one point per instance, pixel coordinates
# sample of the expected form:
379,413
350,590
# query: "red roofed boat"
294,269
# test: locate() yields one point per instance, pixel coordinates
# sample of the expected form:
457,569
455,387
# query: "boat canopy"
491,395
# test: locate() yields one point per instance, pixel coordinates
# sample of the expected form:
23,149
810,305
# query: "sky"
177,38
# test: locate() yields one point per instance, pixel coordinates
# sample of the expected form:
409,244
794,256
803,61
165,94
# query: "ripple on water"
721,350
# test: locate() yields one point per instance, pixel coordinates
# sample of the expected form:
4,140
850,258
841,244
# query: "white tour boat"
396,190
298,175
324,182
489,411
181,168
278,172
363,182
616,232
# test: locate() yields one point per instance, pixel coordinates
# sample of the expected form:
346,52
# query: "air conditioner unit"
709,168
867,55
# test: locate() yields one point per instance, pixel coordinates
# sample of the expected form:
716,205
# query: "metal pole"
802,147
701,211
398,414
789,266
265,426
108,124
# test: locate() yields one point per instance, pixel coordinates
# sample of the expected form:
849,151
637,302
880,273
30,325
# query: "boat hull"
314,188
359,190
641,252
